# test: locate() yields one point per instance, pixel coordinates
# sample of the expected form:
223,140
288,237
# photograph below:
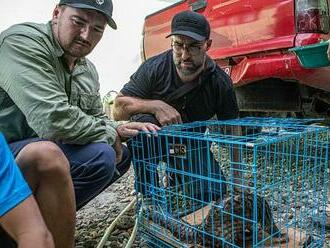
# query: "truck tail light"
312,16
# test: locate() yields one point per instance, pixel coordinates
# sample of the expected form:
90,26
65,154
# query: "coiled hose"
113,224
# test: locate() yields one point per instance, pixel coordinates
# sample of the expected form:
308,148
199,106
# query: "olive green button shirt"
39,97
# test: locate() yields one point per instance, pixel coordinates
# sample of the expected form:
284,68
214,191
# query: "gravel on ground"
96,216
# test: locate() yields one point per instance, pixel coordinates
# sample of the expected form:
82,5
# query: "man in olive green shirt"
51,112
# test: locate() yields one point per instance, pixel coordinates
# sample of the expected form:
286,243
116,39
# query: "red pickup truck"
251,42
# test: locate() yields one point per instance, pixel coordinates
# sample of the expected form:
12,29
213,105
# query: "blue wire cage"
252,182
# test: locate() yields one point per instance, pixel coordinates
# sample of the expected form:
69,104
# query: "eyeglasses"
193,49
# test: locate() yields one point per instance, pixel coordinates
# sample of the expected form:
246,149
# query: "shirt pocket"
90,103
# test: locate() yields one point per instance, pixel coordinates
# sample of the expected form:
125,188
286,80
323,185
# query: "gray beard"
186,77
187,72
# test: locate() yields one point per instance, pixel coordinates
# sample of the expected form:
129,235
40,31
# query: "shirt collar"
57,48
80,67
210,65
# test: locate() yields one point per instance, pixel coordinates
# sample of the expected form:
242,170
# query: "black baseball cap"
191,24
103,6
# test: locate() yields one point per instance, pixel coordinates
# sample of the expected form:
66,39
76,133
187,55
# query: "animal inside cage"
252,182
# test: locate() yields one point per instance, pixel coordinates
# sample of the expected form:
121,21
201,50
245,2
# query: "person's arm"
126,106
28,76
19,212
26,226
139,95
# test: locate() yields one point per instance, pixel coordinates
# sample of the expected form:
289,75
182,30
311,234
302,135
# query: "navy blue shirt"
157,78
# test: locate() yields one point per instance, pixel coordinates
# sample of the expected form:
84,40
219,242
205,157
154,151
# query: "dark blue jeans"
92,166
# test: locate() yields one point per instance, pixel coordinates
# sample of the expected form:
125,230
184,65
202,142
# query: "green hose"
113,224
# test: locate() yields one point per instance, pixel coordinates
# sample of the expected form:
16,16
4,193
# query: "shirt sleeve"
13,187
30,79
228,108
140,82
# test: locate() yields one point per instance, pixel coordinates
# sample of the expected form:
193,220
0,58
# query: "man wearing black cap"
182,84
51,112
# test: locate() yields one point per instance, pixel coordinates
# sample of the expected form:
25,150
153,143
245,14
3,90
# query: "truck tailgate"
238,27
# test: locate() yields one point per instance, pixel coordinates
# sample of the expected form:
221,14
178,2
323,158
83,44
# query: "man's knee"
108,159
44,158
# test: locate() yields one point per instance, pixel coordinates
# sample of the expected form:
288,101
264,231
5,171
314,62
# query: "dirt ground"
97,215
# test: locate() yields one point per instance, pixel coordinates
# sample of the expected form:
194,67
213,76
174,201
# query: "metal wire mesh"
253,182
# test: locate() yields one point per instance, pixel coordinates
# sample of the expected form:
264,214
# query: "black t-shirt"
157,77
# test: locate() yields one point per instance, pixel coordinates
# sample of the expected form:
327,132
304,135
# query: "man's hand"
131,129
117,146
166,114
